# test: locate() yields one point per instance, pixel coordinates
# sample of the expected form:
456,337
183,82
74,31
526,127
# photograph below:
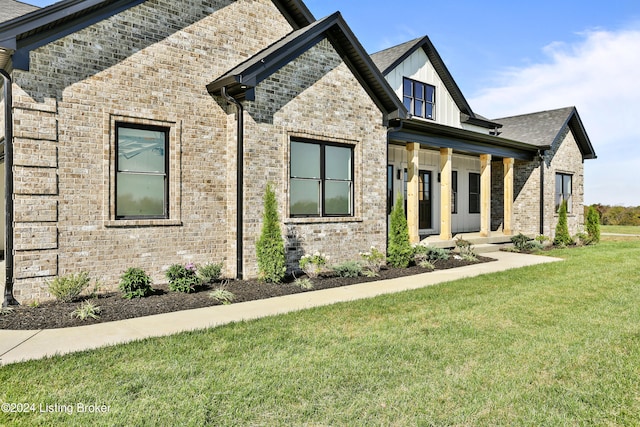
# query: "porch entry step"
480,244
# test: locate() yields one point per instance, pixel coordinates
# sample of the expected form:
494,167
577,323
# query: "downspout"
541,157
8,195
239,181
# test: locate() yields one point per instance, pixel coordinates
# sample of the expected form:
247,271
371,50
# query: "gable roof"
24,33
241,80
388,59
10,9
545,128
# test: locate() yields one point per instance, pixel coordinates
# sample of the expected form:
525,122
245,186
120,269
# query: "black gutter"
8,195
239,180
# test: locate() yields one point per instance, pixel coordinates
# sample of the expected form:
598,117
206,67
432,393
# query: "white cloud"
599,75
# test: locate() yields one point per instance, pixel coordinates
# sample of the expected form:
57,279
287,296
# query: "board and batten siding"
418,67
462,221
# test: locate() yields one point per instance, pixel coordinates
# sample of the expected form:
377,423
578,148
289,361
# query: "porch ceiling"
463,141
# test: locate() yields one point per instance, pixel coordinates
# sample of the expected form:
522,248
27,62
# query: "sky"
511,58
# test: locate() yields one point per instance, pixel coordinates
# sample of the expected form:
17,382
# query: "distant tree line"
617,215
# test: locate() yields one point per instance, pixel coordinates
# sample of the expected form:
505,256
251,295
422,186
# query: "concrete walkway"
16,346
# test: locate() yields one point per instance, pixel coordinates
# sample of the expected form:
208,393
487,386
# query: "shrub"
312,265
183,278
68,288
593,225
4,311
222,295
563,237
374,260
270,246
303,283
426,265
399,252
135,283
87,310
348,269
210,272
466,250
430,254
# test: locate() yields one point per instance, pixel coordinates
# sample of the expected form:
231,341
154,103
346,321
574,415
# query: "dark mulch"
52,314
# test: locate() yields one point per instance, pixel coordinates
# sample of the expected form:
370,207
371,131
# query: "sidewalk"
16,346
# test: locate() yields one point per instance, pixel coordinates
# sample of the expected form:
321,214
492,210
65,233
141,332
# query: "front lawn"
554,344
620,229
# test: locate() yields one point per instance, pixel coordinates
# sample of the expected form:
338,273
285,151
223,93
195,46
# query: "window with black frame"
321,179
419,98
564,190
142,172
474,193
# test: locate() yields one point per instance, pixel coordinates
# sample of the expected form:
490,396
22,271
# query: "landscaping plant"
68,288
87,310
374,260
312,265
348,269
399,252
209,272
593,225
562,238
222,295
183,278
270,246
135,283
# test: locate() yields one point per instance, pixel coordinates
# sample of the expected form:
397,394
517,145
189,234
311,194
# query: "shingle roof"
386,58
10,9
545,127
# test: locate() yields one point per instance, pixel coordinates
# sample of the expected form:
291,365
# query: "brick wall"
316,97
148,64
564,157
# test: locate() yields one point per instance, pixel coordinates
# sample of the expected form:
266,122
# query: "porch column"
413,175
445,193
508,195
485,195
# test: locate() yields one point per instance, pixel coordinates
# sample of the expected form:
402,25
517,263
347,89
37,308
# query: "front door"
424,198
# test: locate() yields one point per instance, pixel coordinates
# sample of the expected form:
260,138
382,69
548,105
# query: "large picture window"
142,173
474,193
563,190
321,179
419,98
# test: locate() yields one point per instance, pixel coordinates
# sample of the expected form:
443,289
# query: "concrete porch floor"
496,238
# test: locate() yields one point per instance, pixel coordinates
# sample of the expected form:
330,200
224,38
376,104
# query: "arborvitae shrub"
399,252
593,225
270,246
563,237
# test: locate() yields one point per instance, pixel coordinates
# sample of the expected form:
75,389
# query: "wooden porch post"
445,193
508,196
485,195
413,172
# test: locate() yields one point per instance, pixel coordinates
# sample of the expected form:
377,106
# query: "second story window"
419,98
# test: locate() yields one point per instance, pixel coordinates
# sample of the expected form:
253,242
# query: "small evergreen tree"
593,225
400,252
562,229
270,245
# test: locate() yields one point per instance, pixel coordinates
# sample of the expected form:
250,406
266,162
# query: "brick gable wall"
150,65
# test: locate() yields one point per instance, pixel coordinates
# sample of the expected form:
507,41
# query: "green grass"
620,229
553,345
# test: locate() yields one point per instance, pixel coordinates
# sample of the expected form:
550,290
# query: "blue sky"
518,57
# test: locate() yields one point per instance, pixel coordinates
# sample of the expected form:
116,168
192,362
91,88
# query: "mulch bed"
52,314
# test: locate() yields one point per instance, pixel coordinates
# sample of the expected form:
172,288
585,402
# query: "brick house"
144,133
460,172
